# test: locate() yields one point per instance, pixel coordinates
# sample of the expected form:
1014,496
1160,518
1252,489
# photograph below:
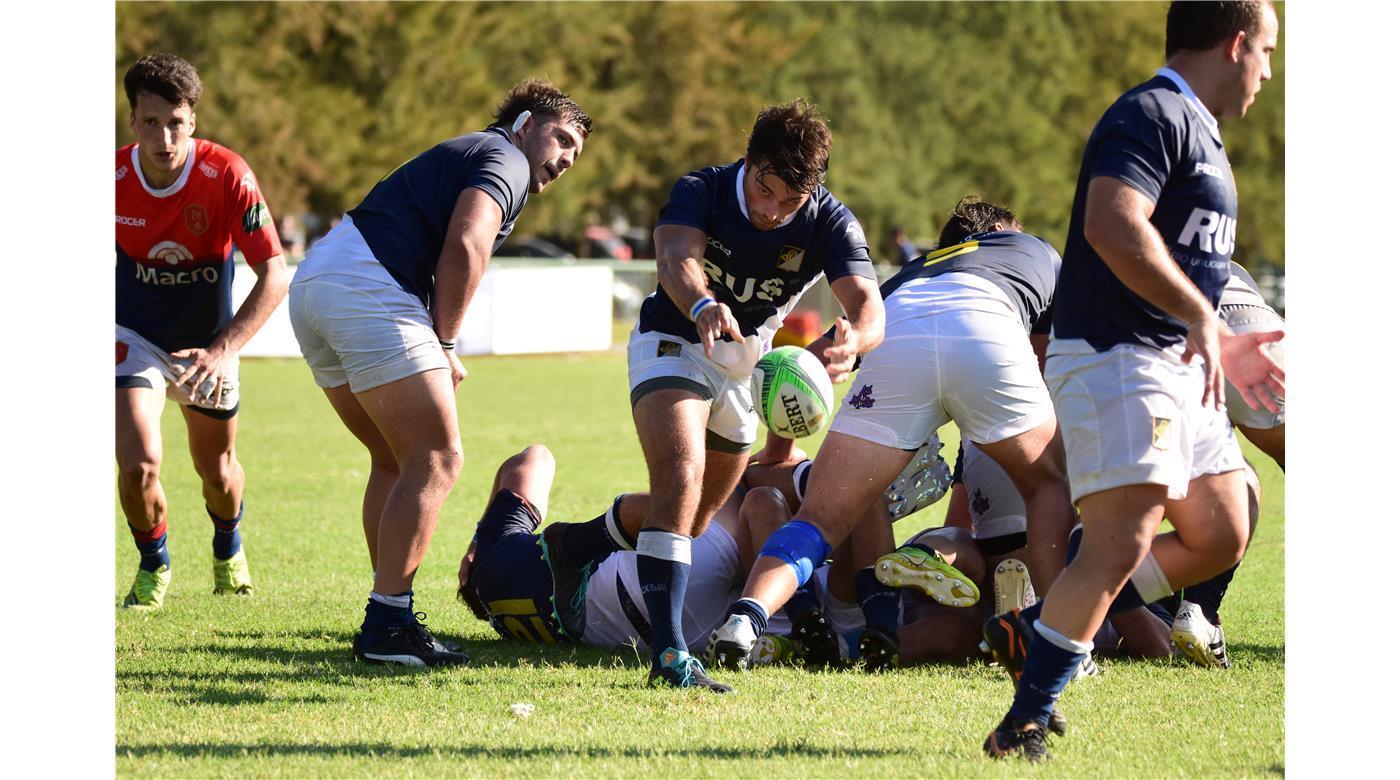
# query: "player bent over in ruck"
376,307
183,203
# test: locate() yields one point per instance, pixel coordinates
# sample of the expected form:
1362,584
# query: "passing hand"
459,372
1203,338
1248,366
713,322
841,355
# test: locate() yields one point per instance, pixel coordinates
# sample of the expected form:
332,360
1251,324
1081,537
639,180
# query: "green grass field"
265,686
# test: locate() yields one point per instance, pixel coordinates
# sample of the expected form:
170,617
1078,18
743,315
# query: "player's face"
1254,64
551,146
163,131
769,199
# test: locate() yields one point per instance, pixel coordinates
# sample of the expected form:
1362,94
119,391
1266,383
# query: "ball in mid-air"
792,392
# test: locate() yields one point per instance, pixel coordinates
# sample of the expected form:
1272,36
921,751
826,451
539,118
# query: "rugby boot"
1198,639
411,645
679,669
1008,639
231,576
815,639
148,590
773,649
731,644
879,649
911,567
1087,668
570,582
1011,585
1025,739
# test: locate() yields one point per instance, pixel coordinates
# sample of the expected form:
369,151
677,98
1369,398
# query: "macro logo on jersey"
790,259
196,219
170,252
255,217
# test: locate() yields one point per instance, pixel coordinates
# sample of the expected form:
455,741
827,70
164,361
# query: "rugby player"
956,349
376,307
183,204
736,246
1151,233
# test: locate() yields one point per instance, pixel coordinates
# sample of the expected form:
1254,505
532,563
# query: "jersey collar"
1190,95
173,188
744,205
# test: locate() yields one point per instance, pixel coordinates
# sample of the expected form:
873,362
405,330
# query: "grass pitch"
217,686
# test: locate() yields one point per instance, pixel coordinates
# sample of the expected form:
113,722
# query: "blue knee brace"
798,544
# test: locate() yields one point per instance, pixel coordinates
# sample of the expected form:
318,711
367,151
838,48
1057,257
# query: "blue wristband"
700,306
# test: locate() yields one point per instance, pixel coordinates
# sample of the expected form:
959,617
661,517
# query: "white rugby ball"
792,392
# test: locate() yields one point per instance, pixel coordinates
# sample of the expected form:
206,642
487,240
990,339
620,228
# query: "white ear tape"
519,121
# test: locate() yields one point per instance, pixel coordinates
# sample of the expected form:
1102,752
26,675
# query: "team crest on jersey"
122,350
170,252
209,170
255,217
196,219
122,172
790,259
668,349
1161,433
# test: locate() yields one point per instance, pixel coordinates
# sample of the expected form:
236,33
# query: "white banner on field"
516,310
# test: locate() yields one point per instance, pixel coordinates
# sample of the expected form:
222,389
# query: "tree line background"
927,101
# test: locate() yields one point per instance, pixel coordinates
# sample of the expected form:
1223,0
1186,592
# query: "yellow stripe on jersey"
949,252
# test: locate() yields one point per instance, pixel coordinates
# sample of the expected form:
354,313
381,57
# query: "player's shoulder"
214,159
711,176
1157,100
124,164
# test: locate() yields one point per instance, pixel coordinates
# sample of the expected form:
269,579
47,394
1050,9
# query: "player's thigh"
417,416
1030,458
847,476
529,474
356,420
1270,441
1119,525
1214,515
211,438
138,426
671,428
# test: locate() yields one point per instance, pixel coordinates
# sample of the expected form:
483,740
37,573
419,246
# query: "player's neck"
1204,79
158,179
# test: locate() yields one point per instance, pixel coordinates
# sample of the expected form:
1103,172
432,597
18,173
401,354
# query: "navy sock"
803,599
751,610
1210,593
1032,613
389,611
1046,673
151,545
878,601
593,541
227,540
663,568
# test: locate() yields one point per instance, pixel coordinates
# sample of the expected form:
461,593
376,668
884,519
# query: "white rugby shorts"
954,349
996,505
1133,415
142,364
715,583
354,323
1252,319
657,361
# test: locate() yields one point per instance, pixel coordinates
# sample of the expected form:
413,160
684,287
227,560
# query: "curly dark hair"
541,98
1194,25
166,76
792,142
973,215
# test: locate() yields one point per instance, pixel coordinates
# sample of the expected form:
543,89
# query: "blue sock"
227,541
1210,593
1032,613
878,601
1049,666
389,611
151,545
663,568
752,610
803,599
598,538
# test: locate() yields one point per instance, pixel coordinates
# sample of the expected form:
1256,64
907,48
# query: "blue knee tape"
798,544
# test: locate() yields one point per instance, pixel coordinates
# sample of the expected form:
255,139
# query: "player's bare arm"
1117,224
862,329
476,218
262,300
678,252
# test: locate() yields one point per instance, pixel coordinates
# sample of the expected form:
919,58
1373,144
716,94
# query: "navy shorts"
510,575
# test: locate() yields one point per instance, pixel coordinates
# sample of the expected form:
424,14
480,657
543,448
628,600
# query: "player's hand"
841,355
459,372
713,322
465,592
1248,366
202,365
1203,338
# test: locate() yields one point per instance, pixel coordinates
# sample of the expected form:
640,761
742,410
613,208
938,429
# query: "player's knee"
537,456
765,508
139,473
799,545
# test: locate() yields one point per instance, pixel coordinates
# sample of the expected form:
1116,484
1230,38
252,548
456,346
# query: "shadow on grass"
1266,653
796,749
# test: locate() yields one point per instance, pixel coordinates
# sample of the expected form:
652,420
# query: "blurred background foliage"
927,101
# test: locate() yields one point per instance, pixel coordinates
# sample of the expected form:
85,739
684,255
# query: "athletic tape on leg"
664,545
613,523
798,544
1061,641
1150,581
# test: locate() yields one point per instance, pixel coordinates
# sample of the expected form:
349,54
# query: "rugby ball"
791,392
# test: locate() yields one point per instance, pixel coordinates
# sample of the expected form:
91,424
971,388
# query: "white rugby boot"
1198,639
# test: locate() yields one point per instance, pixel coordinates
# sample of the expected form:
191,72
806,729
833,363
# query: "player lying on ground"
956,349
183,203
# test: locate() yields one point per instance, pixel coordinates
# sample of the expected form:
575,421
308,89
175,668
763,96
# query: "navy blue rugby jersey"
404,218
1161,141
1022,265
759,274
